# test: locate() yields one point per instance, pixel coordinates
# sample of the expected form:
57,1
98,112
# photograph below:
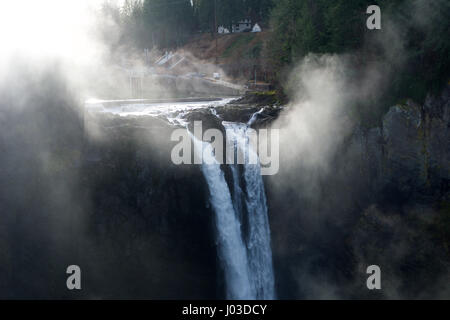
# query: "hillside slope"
238,54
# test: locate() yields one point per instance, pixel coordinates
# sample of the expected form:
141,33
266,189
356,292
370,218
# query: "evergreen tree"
169,22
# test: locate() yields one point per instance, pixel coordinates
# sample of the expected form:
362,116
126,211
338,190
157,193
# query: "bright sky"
45,27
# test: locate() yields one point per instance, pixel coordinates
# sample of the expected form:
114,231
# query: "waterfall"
258,232
245,253
231,248
255,117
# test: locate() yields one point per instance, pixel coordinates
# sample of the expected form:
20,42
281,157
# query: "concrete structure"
256,28
242,26
223,30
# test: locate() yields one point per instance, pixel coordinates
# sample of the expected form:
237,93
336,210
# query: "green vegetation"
412,46
229,11
169,24
412,41
241,40
264,93
255,51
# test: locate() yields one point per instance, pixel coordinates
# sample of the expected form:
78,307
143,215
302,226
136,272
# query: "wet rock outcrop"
409,156
150,219
383,200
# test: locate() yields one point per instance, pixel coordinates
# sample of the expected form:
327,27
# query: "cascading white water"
243,234
258,234
232,252
255,117
246,255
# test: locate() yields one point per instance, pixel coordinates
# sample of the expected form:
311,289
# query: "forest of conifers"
300,27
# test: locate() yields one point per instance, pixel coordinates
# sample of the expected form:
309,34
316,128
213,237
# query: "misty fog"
99,190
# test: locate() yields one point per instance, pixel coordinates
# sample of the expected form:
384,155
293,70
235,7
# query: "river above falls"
147,107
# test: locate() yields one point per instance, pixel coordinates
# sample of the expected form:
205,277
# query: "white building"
242,26
256,28
223,30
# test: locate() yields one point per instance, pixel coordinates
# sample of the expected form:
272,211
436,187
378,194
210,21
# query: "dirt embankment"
239,54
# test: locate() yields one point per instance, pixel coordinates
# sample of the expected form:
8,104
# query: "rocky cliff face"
384,201
150,220
410,153
141,227
148,217
405,225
